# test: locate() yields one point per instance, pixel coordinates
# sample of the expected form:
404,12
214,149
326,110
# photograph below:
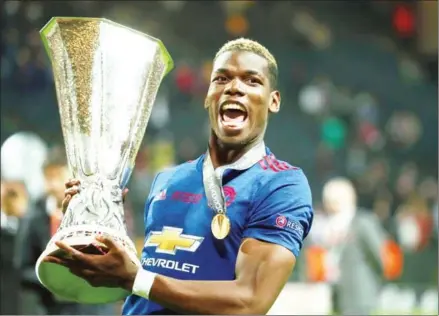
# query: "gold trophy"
106,78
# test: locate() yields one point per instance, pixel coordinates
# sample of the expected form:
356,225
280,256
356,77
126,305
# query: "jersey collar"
200,160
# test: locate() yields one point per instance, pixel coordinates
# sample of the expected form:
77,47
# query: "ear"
274,105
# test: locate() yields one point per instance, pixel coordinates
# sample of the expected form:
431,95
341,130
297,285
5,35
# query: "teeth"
233,106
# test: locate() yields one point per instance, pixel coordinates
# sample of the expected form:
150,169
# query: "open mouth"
233,114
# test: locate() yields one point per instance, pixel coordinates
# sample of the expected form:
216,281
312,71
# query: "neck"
222,154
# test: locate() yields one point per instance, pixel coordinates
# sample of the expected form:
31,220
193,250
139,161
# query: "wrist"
142,283
127,279
128,282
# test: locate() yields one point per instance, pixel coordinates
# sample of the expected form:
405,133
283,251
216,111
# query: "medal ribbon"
212,179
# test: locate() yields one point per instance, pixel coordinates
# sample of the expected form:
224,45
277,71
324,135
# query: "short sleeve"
282,213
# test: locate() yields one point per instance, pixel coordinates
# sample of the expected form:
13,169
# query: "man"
36,230
358,252
205,254
14,202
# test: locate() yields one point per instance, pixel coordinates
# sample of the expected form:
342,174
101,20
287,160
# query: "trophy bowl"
106,77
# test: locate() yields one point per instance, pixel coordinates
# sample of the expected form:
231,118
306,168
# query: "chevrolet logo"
171,239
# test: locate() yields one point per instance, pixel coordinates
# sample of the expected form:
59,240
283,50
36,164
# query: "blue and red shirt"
271,201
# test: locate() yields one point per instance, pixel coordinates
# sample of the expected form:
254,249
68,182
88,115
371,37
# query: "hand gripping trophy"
106,77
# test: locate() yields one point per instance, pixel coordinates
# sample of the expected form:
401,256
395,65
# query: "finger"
94,281
99,281
71,183
71,191
56,260
75,254
124,194
83,273
109,242
65,203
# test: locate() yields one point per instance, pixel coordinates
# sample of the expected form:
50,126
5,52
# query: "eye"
219,79
254,80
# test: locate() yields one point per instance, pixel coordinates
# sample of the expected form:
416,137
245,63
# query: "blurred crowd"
357,103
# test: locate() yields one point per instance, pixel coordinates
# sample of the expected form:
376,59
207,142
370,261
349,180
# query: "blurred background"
360,90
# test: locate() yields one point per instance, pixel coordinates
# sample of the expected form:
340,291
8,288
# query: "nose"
234,87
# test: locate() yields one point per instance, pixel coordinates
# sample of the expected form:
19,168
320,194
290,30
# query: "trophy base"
69,287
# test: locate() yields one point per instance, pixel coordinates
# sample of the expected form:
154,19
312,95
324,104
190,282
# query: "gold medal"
220,226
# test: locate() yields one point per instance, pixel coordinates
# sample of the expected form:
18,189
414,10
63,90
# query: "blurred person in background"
414,224
35,232
356,250
14,204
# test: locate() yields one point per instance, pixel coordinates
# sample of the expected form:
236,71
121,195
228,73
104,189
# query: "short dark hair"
56,157
248,45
